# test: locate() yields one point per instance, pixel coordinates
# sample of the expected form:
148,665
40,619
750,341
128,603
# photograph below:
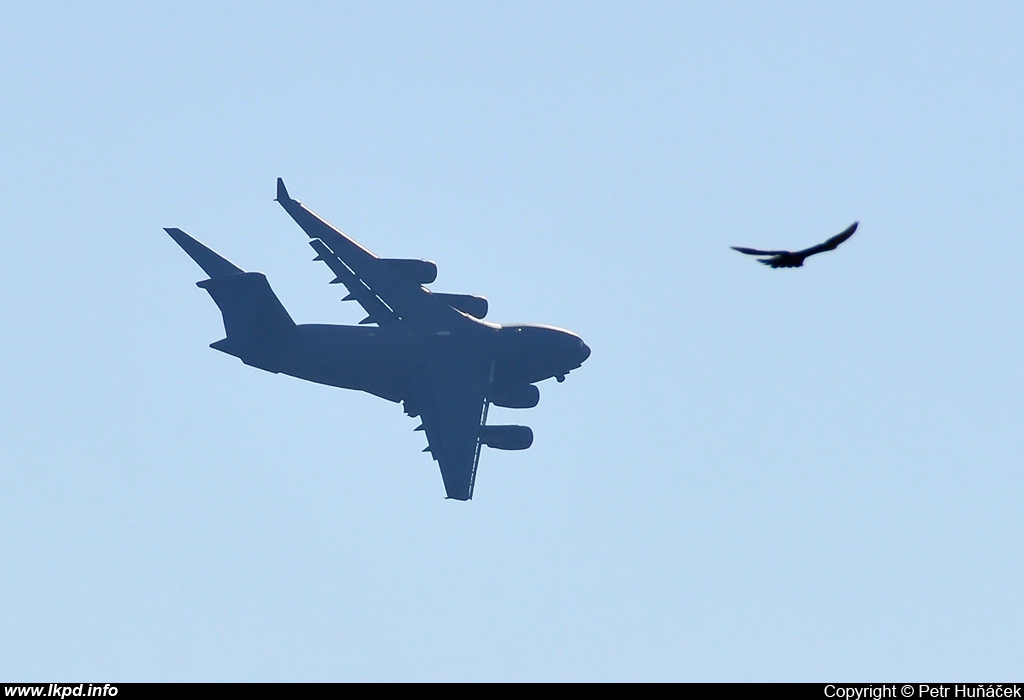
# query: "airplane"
789,258
430,351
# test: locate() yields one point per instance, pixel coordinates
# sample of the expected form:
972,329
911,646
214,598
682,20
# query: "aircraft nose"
584,352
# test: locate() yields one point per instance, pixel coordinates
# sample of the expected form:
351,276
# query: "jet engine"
506,437
419,271
515,396
467,303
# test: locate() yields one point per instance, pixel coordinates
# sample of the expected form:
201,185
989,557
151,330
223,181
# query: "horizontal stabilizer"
212,264
226,346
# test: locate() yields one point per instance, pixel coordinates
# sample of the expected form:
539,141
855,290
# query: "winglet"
282,192
212,264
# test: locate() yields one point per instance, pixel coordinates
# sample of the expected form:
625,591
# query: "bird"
788,258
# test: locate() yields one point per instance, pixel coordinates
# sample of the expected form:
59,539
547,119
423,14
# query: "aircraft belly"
526,368
349,357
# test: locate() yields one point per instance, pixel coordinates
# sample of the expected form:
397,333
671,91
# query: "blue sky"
759,474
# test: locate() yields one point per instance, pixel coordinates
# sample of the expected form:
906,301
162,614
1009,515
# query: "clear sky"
759,474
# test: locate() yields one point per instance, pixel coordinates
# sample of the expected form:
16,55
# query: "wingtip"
179,236
282,192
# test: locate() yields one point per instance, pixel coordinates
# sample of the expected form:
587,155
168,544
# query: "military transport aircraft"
428,350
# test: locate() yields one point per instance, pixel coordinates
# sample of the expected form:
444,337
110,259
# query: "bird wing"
754,251
832,243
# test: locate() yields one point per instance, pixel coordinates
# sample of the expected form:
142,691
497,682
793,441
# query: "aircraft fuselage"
384,361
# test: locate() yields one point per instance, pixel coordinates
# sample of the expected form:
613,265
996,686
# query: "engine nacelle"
419,271
467,303
506,437
516,396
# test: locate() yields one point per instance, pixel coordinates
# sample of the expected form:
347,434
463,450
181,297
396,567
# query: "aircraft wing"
378,285
450,399
379,312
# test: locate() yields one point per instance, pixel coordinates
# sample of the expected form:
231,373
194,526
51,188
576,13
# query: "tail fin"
254,318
